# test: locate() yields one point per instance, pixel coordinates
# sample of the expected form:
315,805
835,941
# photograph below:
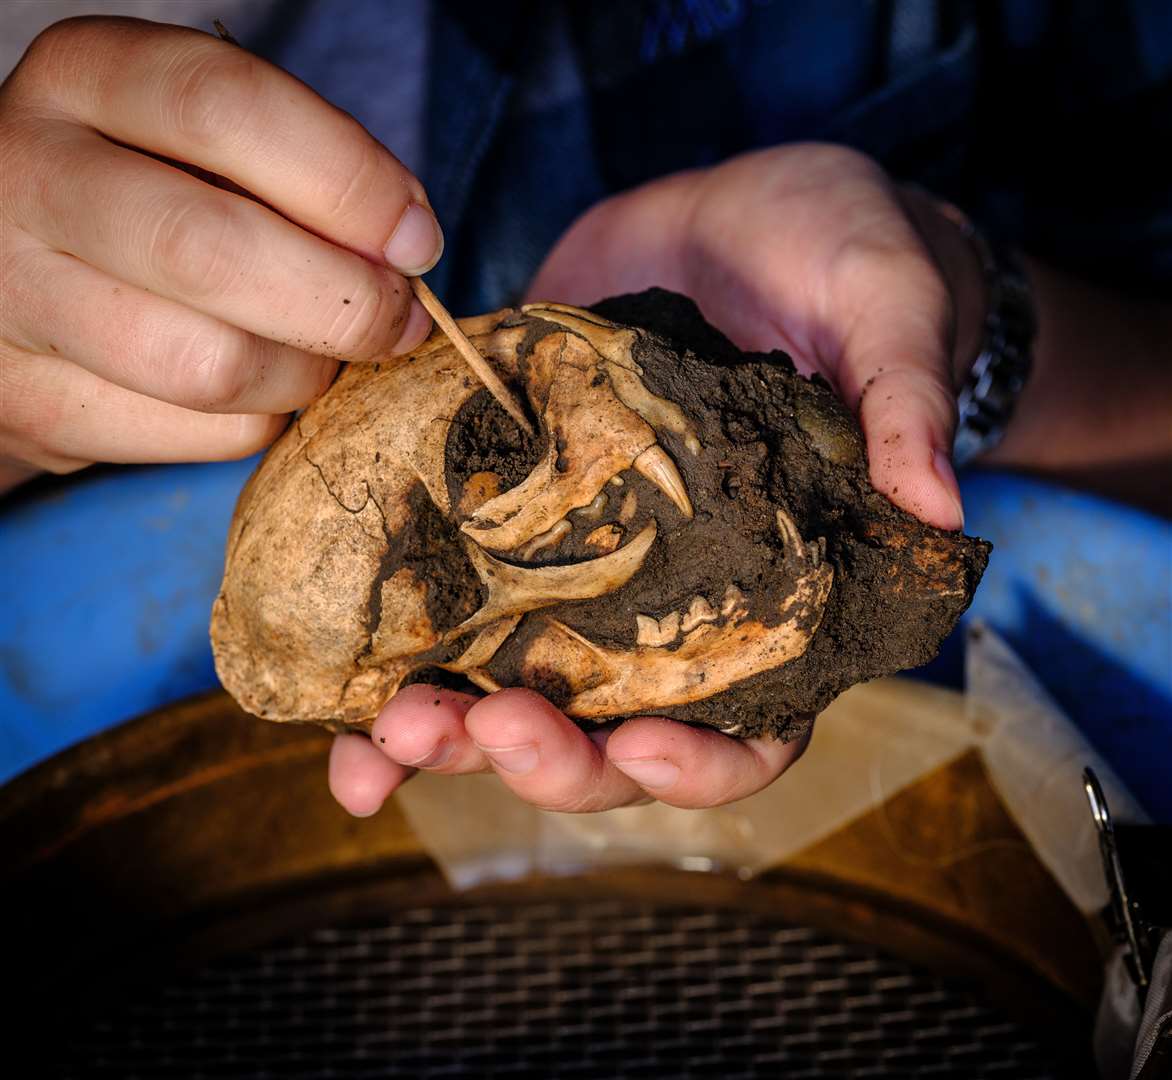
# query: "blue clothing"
1043,120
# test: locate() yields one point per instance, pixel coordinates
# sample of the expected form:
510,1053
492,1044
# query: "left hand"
809,248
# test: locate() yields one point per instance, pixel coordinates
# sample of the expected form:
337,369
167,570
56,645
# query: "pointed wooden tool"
468,351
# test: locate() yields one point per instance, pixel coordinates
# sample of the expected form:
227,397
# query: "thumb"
895,369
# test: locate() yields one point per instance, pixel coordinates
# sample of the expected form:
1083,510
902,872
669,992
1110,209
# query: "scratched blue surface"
109,579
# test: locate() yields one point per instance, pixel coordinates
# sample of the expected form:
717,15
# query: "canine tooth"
628,507
733,602
656,466
700,612
547,539
649,631
593,511
605,538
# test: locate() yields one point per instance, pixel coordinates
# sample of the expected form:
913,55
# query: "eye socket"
486,449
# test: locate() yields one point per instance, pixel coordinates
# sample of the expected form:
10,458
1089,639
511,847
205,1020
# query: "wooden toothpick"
468,351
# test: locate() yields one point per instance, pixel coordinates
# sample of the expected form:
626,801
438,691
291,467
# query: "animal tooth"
669,627
547,539
646,630
605,538
656,466
594,510
617,481
649,631
733,602
628,507
700,612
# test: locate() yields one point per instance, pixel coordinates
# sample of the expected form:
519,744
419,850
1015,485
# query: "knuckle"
192,247
212,372
249,433
353,185
211,93
372,321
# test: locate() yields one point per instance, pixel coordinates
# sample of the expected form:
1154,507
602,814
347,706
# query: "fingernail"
942,462
415,329
366,813
417,242
438,755
517,760
650,772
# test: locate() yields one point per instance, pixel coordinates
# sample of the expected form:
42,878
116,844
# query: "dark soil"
770,439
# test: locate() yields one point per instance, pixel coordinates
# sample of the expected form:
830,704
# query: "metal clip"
1127,923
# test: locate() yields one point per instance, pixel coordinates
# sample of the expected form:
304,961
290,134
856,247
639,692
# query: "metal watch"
995,381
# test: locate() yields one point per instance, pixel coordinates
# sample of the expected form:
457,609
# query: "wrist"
964,273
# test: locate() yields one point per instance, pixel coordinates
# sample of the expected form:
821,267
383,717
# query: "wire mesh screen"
550,990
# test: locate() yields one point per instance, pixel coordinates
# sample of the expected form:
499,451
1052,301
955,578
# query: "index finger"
188,96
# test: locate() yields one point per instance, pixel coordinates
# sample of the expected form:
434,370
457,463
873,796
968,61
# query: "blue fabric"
109,581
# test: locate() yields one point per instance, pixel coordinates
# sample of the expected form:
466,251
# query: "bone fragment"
605,538
654,465
516,589
485,645
547,539
699,612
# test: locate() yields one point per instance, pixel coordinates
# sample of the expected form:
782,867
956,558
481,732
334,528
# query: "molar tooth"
656,466
700,612
733,602
593,511
649,631
605,538
547,539
628,507
646,630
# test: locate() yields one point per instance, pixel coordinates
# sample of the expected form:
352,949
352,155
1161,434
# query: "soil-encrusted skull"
691,534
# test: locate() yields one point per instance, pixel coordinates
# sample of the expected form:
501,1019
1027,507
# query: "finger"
697,767
361,778
59,416
544,757
127,336
194,98
156,227
895,369
423,727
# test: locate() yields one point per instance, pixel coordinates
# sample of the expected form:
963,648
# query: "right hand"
190,239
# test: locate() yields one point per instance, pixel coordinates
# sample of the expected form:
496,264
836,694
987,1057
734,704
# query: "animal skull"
358,556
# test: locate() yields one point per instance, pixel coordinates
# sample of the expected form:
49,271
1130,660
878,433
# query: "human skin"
160,312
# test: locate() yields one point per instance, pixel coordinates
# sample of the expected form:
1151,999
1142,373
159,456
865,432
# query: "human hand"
806,248
812,249
190,238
